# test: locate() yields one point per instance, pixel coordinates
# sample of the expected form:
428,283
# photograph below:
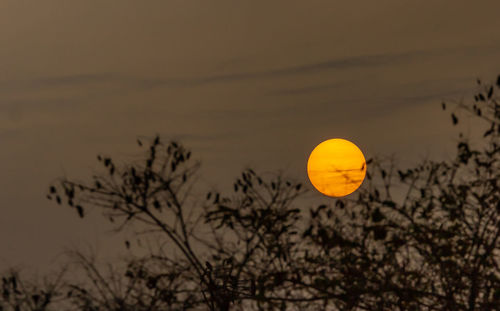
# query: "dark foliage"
424,238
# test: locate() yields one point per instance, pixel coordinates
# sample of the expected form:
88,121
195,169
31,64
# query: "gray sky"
242,83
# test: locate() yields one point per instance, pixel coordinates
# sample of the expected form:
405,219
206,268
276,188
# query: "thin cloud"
305,90
312,68
144,83
362,61
58,81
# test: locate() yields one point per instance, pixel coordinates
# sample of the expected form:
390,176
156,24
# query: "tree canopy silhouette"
423,238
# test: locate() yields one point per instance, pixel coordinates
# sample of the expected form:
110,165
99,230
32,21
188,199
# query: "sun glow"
336,167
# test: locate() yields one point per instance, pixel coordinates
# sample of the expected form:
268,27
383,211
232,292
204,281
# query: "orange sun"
336,167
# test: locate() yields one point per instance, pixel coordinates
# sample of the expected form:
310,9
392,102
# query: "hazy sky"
242,83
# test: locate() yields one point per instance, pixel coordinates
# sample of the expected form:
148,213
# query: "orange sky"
243,83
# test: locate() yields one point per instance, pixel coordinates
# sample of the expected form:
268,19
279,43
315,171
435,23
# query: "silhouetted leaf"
377,216
389,203
156,204
209,266
79,209
340,204
379,233
490,131
402,176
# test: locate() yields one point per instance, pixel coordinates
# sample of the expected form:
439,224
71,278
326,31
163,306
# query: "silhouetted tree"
218,271
435,246
425,238
20,294
144,284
